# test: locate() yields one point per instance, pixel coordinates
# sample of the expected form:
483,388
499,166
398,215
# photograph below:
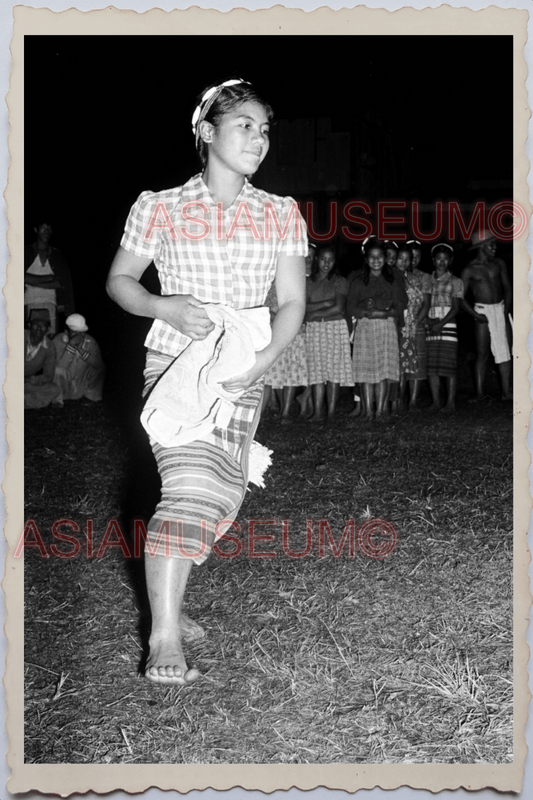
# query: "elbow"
110,287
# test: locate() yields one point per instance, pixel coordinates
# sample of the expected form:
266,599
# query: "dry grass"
321,660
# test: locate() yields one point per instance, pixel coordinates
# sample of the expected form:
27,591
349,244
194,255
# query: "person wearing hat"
39,362
487,278
47,281
79,370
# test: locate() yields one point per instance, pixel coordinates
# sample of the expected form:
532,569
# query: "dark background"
107,117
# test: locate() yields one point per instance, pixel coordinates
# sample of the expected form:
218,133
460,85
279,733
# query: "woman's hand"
76,340
240,382
182,311
185,313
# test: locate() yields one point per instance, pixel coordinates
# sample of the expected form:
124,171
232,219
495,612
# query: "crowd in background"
388,327
385,328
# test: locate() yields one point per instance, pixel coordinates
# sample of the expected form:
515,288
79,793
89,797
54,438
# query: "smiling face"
240,140
375,260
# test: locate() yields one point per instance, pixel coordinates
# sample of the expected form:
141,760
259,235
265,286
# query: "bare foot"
304,403
356,411
317,417
433,408
191,630
166,663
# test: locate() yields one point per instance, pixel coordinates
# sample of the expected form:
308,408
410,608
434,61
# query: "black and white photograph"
268,399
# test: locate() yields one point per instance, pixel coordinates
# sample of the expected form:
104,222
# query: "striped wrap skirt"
328,352
442,351
202,483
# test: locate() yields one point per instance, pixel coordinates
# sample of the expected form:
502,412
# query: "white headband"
442,244
210,95
372,236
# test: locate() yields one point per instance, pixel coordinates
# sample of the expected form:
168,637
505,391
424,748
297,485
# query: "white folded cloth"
188,401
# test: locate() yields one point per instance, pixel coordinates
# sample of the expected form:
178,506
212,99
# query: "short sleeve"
458,288
142,232
341,285
295,242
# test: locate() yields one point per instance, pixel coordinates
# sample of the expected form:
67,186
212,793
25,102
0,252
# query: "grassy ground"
404,658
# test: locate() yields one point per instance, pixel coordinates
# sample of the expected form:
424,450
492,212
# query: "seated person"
39,362
79,370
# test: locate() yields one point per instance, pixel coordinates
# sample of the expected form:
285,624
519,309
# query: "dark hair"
375,244
442,248
228,99
334,270
404,248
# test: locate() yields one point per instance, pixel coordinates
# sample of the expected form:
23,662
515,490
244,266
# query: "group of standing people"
402,324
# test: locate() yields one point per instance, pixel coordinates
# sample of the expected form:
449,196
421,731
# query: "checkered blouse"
225,256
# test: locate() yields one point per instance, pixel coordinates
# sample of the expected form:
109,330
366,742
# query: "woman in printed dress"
413,348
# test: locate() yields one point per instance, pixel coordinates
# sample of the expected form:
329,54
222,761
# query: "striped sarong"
202,483
375,351
442,351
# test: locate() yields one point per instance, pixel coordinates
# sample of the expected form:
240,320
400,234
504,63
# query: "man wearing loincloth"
489,282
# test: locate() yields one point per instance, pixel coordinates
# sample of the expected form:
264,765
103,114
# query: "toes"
172,675
192,675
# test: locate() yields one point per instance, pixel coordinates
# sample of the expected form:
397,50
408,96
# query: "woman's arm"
290,290
183,311
424,309
399,300
452,313
316,305
335,307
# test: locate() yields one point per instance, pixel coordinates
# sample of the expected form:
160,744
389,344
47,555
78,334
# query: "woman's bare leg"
289,393
333,390
434,385
368,395
166,580
304,400
319,391
381,395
